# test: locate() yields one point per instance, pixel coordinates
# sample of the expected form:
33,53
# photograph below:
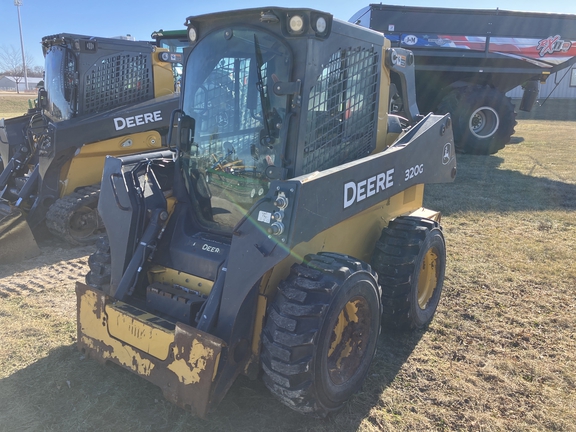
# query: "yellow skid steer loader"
102,96
286,225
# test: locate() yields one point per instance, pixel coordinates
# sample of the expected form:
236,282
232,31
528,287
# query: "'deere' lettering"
356,192
137,120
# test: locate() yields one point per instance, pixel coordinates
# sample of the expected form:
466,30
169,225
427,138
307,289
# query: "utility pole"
18,3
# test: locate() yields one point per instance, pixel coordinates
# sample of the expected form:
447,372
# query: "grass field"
13,104
499,355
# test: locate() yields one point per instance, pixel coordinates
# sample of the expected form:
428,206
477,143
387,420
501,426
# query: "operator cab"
236,143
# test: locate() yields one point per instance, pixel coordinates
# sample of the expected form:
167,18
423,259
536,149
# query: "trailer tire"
321,332
483,119
100,266
410,258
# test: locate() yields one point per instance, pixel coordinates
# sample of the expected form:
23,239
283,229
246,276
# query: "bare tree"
11,63
35,71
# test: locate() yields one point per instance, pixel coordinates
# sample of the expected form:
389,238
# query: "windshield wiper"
266,138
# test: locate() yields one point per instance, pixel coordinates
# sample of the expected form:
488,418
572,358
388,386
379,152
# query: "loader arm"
324,200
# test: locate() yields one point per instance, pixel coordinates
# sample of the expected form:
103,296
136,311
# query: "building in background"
11,83
561,85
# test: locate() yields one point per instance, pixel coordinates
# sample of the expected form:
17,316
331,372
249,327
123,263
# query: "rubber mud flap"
179,359
16,239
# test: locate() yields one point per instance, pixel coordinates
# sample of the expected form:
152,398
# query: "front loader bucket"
179,359
16,240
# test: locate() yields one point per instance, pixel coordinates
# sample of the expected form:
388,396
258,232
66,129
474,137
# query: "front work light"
192,34
296,23
321,25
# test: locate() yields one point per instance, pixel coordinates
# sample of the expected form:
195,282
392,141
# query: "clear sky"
139,18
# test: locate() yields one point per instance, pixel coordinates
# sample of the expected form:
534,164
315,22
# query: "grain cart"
467,59
101,96
287,222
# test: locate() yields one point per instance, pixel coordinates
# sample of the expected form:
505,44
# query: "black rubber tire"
100,266
406,245
65,218
483,119
304,359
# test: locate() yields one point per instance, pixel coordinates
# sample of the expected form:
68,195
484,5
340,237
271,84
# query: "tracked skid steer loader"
285,226
102,96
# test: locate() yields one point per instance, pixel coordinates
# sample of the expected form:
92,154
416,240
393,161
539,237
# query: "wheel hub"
484,122
84,222
349,340
428,279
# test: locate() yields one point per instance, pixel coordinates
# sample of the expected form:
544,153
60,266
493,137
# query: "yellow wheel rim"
349,340
428,279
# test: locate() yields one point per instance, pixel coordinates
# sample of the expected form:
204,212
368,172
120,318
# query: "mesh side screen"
342,110
118,80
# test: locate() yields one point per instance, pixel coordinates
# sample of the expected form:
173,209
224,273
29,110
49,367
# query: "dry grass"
499,355
14,104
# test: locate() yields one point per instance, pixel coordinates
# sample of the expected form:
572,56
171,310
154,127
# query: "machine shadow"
480,185
65,391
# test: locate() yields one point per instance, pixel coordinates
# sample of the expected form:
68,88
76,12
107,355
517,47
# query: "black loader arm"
424,155
317,201
131,197
401,64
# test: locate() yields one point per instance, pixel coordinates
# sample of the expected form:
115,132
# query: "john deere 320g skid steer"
284,228
102,96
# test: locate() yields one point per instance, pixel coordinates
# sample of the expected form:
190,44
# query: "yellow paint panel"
130,359
426,213
355,236
382,138
87,166
259,324
173,277
139,333
163,75
189,369
93,334
170,204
